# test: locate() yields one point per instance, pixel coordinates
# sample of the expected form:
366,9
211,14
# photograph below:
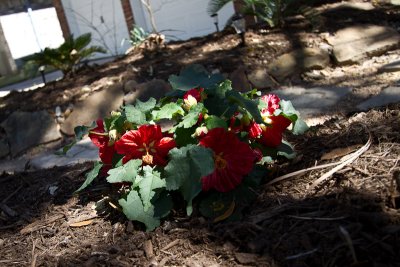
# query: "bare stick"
289,175
350,159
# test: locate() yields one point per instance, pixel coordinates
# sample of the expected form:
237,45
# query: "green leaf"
80,132
250,105
216,204
65,149
194,76
146,106
223,88
90,176
162,204
177,169
299,127
135,115
115,122
184,171
125,173
286,150
183,136
192,117
150,181
215,122
288,110
168,111
134,210
219,106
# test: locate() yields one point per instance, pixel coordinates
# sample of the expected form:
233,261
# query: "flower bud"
113,135
201,131
189,102
115,113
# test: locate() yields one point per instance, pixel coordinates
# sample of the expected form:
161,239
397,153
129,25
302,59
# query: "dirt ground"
351,217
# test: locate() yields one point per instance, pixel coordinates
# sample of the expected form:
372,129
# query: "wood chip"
35,226
82,223
148,249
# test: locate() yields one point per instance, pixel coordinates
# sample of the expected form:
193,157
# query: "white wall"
20,33
180,19
103,18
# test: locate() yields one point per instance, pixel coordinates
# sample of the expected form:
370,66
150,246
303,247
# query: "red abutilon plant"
214,155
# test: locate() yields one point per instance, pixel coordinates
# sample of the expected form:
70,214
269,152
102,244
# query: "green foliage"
134,210
125,173
192,117
137,36
185,168
271,11
194,76
90,176
68,55
148,180
168,111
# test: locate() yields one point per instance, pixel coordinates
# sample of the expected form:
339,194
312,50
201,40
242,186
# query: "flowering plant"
203,140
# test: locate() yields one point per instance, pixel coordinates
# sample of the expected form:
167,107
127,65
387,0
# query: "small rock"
260,79
354,43
387,96
298,61
239,80
28,129
58,111
390,67
130,86
246,258
4,148
97,105
52,190
81,152
156,88
313,101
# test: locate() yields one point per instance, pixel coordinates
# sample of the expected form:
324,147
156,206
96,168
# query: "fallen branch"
299,172
349,160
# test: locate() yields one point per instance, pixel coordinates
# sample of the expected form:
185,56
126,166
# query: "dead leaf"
340,152
227,213
82,223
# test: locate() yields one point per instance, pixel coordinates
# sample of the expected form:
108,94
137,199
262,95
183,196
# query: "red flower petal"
254,130
233,159
147,141
280,122
98,140
272,102
271,137
196,93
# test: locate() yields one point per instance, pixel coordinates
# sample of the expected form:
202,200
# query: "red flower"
146,143
232,158
195,93
270,136
102,141
272,102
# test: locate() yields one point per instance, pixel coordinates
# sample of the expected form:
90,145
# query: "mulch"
351,219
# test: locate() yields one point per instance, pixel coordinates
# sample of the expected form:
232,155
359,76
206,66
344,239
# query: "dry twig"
349,160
